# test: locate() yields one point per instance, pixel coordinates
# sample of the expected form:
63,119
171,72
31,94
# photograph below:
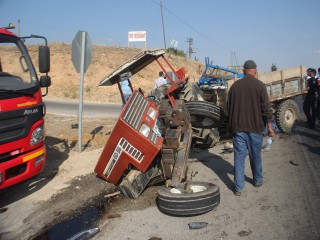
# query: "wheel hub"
289,116
193,188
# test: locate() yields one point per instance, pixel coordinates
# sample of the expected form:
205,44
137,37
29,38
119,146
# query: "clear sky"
284,32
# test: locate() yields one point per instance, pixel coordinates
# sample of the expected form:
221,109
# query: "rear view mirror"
44,59
45,81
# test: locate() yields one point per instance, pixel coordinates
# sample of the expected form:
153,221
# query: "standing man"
249,111
310,99
160,81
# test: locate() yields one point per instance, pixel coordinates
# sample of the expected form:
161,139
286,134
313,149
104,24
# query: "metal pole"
164,34
81,90
18,27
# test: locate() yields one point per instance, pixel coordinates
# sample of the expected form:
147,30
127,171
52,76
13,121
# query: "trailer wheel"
205,114
286,115
176,202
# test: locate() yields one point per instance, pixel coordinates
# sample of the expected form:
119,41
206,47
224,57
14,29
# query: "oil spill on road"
85,220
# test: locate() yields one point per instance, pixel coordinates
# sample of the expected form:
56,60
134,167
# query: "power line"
194,29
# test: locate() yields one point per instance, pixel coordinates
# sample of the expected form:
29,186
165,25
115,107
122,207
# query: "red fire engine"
22,150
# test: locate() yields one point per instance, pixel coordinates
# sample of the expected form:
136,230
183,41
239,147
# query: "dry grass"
66,81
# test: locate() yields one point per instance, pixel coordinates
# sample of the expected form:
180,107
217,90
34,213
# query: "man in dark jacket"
309,103
249,111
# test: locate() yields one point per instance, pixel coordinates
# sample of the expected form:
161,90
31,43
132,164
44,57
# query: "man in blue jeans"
249,111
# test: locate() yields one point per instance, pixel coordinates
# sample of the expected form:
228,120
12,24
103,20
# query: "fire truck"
151,140
22,111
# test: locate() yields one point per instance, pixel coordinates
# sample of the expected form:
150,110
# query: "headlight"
37,135
145,130
152,113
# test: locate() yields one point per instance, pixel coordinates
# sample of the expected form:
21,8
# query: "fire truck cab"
22,111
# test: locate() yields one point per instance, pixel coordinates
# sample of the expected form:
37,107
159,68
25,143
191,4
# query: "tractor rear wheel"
205,114
191,92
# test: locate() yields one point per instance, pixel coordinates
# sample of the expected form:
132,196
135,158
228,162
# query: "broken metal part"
197,225
136,181
180,167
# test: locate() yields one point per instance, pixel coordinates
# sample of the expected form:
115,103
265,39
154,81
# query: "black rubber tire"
205,114
191,92
189,203
286,115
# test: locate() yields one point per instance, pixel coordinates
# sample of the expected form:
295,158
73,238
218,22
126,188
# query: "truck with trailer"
22,111
282,87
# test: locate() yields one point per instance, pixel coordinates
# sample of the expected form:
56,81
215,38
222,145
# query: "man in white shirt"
160,81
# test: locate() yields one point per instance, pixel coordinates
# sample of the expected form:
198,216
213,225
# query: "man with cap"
249,111
161,80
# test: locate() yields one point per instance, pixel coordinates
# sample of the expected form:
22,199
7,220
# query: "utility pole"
190,48
18,27
164,34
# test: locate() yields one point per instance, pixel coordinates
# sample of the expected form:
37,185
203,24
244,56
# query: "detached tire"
205,114
204,198
286,115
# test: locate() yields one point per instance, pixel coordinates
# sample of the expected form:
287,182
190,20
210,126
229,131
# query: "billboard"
137,36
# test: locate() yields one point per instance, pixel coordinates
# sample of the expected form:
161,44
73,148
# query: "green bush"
176,52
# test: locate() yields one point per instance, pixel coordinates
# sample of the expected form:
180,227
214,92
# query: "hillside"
65,79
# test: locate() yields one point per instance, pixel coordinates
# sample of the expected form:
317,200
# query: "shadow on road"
219,166
55,157
311,137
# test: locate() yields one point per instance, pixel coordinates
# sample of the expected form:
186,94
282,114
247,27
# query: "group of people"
311,104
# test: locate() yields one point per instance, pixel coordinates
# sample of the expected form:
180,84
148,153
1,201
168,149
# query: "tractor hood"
132,66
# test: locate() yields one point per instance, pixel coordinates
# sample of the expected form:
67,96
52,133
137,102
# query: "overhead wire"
190,26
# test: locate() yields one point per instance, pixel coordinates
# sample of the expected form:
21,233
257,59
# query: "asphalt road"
287,206
92,110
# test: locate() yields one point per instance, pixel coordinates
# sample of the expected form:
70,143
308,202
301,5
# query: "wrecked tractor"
151,140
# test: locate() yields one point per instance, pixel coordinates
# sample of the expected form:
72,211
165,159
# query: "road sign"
81,47
174,43
81,58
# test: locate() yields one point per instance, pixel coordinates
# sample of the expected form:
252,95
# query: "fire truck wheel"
286,115
177,202
191,92
205,114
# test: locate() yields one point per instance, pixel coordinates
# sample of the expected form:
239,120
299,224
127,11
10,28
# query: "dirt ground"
67,186
105,59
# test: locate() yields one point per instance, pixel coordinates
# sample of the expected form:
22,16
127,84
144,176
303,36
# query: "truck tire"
286,115
205,114
176,202
191,92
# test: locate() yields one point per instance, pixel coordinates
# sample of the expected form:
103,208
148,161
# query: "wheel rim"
194,188
289,116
